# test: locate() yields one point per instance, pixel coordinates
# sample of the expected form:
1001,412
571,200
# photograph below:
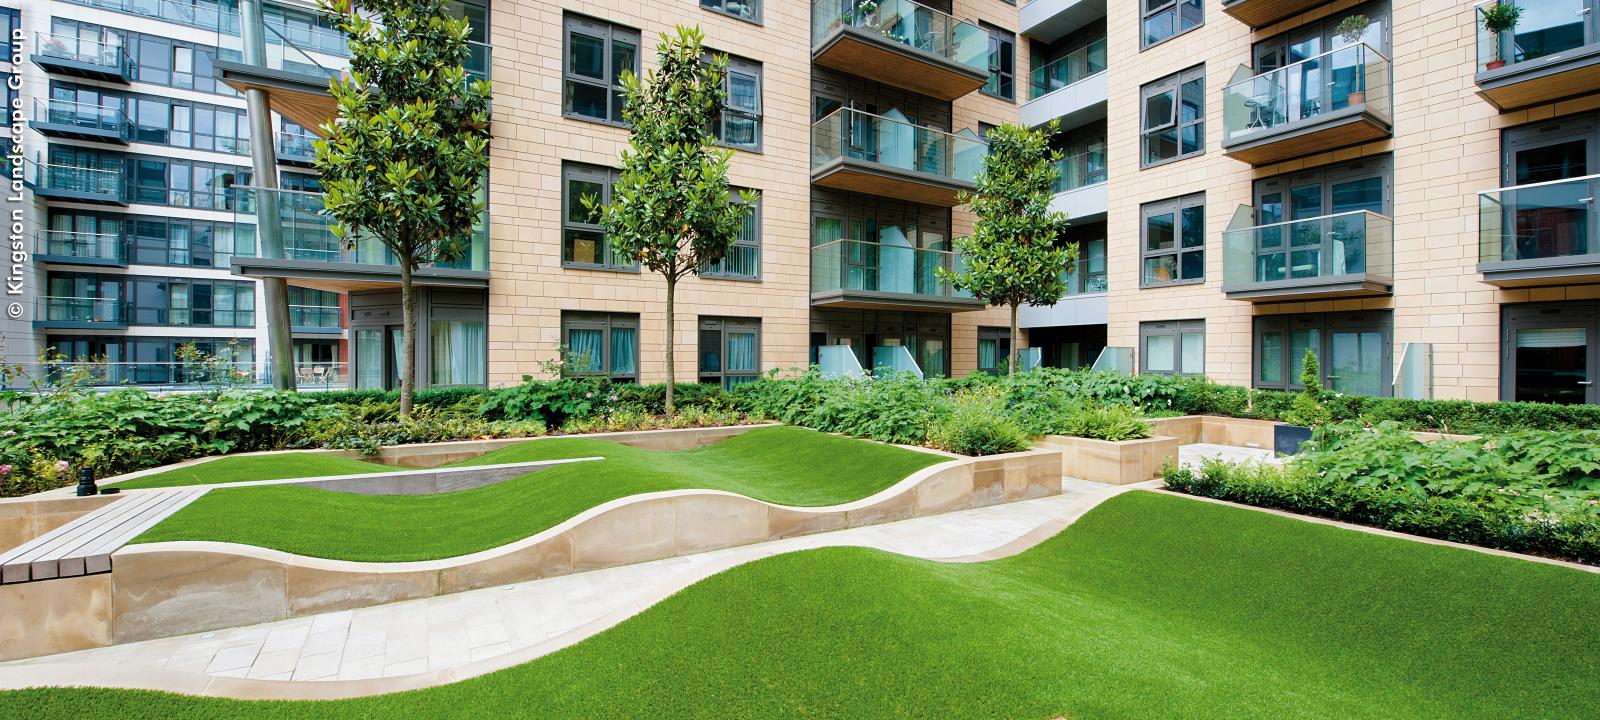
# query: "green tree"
1014,255
672,210
402,163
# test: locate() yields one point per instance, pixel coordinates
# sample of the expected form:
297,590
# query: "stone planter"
1287,439
1116,463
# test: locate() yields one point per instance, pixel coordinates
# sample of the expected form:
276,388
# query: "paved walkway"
441,639
1190,456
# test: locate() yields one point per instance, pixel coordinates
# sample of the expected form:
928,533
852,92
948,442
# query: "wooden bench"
84,546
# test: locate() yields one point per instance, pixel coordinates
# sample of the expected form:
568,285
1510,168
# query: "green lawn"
1149,607
242,468
788,465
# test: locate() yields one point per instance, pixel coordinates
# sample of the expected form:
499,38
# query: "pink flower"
62,466
5,469
588,395
9,433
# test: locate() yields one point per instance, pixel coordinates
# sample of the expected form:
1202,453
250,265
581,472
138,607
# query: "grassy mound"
787,465
244,468
1151,606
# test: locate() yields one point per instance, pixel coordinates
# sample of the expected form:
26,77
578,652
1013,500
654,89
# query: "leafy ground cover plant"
977,425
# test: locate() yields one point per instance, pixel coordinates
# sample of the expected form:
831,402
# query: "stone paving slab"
423,642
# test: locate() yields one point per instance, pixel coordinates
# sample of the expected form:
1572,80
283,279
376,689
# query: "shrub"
897,408
976,425
370,432
625,419
1104,422
1570,536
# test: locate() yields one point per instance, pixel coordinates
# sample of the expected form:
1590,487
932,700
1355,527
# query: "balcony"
1349,254
1072,88
1540,234
1339,98
1081,184
82,313
853,274
1050,20
1261,13
887,155
79,248
296,83
81,121
71,183
1551,54
900,43
311,255
209,16
315,319
82,58
296,149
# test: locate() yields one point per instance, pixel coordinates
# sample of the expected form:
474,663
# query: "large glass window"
457,352
742,9
1172,117
583,243
730,351
743,260
1089,274
1311,223
740,122
1163,19
602,344
1176,347
1173,241
1551,353
1002,63
1353,350
597,53
994,349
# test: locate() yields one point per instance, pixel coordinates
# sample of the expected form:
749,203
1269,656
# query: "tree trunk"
672,372
1012,362
408,343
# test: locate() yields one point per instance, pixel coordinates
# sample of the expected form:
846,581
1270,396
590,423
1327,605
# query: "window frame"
998,73
724,327
609,34
1325,325
720,7
717,270
1176,207
1002,339
1175,84
1178,330
606,177
750,68
604,322
1174,7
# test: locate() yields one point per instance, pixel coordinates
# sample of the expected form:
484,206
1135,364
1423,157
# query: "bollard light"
86,483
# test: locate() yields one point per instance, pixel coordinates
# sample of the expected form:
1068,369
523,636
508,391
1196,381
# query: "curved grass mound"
244,468
785,465
1149,607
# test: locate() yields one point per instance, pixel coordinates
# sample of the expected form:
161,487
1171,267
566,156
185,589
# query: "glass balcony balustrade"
105,247
307,232
1308,252
857,266
296,146
895,143
1549,222
72,181
1082,169
905,23
84,310
92,120
1068,69
314,316
1307,92
110,58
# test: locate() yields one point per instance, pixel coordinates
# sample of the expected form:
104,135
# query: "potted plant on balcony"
1306,411
1350,30
1498,18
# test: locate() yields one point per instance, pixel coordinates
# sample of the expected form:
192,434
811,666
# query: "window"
1164,19
605,344
1173,241
730,351
994,349
186,301
583,243
740,123
1089,275
457,352
597,54
1352,348
10,22
742,9
743,260
1175,347
1002,63
1173,117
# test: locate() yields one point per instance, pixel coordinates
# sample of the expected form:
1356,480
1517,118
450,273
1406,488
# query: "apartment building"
131,154
1388,184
